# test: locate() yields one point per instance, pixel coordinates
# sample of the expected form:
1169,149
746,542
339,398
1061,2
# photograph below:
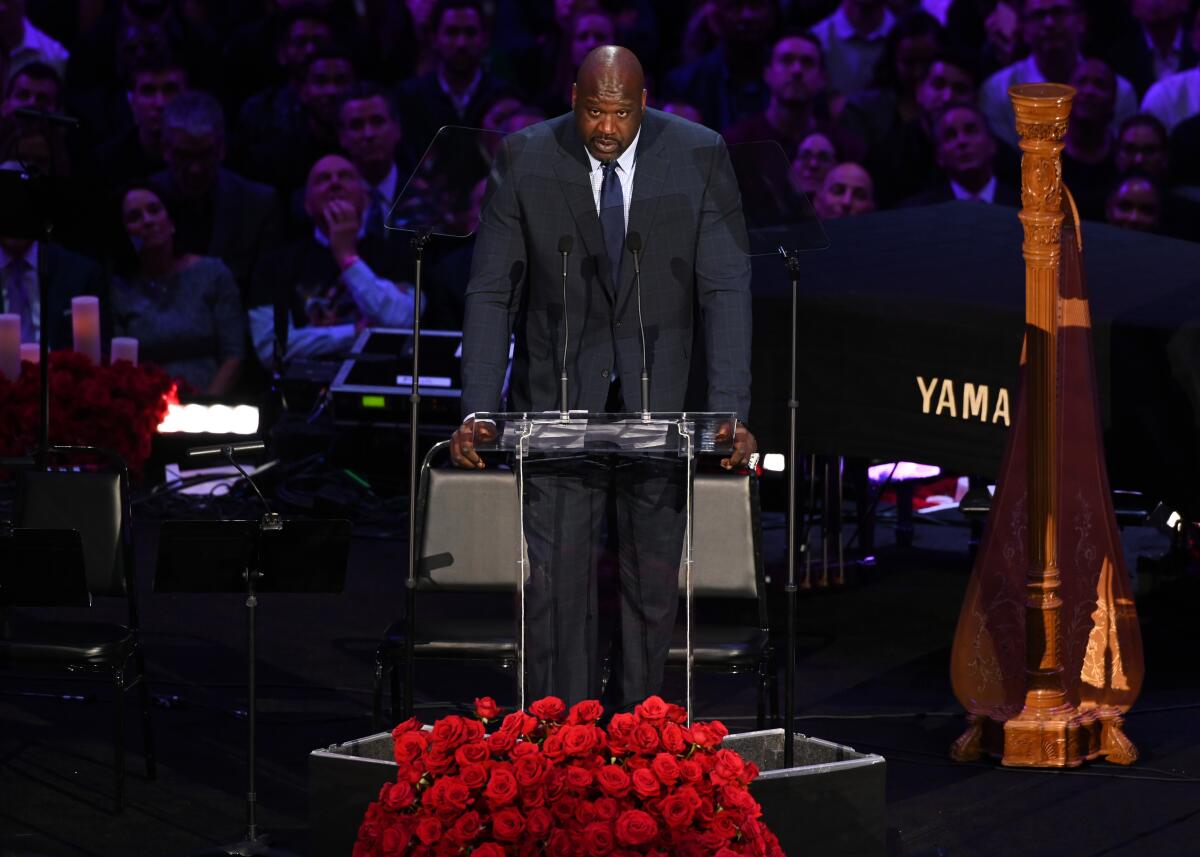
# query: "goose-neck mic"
564,248
634,242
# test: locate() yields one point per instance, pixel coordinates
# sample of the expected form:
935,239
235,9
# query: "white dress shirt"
626,166
1174,98
996,106
29,284
985,194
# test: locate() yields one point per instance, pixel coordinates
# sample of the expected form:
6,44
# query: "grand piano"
910,333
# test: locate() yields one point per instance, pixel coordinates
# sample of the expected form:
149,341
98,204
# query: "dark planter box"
831,803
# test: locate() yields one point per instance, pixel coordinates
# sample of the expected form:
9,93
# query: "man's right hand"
462,444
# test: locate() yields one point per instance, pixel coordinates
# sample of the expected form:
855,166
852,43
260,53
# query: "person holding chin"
313,298
184,310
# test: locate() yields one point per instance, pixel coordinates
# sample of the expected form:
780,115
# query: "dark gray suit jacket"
687,209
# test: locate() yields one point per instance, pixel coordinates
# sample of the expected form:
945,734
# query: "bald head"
609,100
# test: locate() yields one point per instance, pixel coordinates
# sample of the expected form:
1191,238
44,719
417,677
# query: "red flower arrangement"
553,782
116,407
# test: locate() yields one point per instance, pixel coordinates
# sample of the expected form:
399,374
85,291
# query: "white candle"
10,346
85,323
123,348
32,352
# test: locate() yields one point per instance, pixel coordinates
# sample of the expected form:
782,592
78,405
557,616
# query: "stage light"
775,462
209,419
903,470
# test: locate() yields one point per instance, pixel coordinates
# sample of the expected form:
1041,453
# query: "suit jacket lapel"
572,168
648,177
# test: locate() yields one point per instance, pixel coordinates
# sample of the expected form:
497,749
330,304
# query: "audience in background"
274,138
726,84
35,86
137,153
1135,202
965,151
183,309
312,299
846,191
815,157
216,212
22,43
1054,31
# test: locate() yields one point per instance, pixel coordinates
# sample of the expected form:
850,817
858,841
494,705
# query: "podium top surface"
676,433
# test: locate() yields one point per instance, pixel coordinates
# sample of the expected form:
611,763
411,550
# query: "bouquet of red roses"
553,782
117,407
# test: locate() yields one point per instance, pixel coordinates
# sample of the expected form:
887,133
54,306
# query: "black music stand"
267,555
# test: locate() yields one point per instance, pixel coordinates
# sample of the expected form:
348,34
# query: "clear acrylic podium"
552,433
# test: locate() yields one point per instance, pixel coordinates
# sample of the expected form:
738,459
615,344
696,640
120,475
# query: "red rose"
676,713
488,849
551,708
474,753
524,748
676,811
437,760
653,709
529,768
620,728
690,771
578,740
408,747
644,739
613,781
429,830
578,778
397,796
635,827
500,743
553,747
585,812
466,828
585,713
533,796
728,768
409,725
645,783
724,824
561,844
607,809
666,768
672,738
449,732
502,786
473,777
538,822
598,839
508,824
519,723
486,708
448,795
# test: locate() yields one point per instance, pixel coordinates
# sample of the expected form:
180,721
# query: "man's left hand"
744,445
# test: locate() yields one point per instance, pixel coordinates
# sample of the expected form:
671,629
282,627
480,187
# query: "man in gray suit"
589,179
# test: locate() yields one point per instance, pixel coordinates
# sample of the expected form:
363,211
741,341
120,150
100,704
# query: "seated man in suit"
312,298
966,152
68,275
369,132
590,178
217,212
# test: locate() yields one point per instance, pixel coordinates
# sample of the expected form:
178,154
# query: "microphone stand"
634,242
419,240
792,261
254,843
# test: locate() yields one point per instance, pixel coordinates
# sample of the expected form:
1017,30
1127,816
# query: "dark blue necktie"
612,218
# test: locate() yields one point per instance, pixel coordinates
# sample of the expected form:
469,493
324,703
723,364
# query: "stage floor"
873,660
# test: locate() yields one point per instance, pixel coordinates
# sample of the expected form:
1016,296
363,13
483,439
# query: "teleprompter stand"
268,555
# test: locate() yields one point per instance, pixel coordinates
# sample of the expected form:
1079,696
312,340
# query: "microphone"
564,247
43,116
634,242
226,450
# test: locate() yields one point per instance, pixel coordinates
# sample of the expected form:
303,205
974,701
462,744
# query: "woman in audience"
1136,202
815,156
183,309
